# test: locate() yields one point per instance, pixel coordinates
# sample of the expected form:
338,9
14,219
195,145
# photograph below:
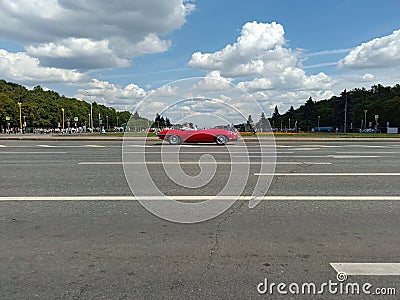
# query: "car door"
200,136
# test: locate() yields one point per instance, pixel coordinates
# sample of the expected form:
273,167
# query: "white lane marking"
190,146
197,163
307,145
328,156
95,146
327,174
320,146
140,146
250,154
370,152
32,152
3,146
368,146
215,152
369,269
305,149
316,163
61,146
201,198
352,156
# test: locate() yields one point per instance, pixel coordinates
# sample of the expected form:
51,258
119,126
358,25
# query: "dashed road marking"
95,146
233,153
352,156
327,174
140,146
33,152
370,152
368,269
305,149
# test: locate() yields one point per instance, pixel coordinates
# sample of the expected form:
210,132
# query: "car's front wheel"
221,139
174,140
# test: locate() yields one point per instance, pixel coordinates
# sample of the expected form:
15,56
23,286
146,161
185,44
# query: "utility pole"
365,118
20,115
63,115
345,112
319,117
91,115
91,112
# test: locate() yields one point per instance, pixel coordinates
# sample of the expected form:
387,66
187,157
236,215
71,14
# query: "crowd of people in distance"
12,130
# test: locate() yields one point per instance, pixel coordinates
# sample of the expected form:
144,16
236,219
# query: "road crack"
215,247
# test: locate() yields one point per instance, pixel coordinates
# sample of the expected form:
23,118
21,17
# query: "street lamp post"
20,115
345,112
63,115
91,112
91,115
319,117
365,118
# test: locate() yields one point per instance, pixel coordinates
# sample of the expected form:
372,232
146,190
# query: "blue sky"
278,52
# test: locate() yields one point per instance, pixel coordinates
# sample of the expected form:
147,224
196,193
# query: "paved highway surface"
70,229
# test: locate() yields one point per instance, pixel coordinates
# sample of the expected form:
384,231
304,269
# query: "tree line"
353,110
43,108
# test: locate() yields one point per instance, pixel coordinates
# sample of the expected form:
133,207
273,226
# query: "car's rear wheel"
174,140
221,139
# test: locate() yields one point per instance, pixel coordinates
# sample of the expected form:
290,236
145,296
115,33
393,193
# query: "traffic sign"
76,119
8,118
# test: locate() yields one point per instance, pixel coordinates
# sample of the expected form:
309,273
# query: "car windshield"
185,126
226,127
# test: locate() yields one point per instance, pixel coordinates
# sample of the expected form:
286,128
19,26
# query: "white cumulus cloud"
245,57
213,82
107,93
23,68
90,34
381,52
260,54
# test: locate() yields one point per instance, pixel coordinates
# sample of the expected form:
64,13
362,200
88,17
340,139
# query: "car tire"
174,140
221,139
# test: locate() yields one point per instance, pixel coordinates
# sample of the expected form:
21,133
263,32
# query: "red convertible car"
212,135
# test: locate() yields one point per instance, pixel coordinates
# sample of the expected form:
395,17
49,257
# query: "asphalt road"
56,242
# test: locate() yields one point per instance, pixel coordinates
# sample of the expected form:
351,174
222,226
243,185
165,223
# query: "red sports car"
212,135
